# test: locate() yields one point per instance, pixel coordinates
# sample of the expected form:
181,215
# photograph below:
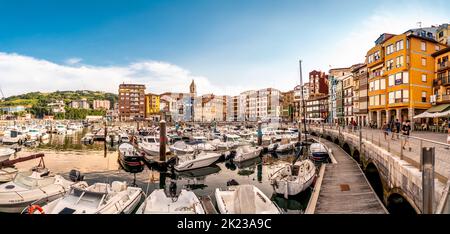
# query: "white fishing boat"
159,203
124,138
284,146
222,145
29,187
247,152
200,143
244,199
291,179
60,129
88,138
5,153
14,137
196,160
99,198
150,145
180,147
33,134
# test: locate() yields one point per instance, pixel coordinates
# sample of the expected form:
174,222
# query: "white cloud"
20,74
73,61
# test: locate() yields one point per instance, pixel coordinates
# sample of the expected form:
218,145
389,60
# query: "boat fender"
32,208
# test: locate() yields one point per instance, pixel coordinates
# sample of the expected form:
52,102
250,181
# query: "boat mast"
303,99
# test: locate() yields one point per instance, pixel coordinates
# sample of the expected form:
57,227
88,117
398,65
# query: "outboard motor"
75,176
172,162
232,182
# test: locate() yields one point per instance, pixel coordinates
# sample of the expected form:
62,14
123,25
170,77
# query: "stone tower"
193,89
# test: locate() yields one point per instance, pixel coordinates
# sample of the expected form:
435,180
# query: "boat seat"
118,186
244,200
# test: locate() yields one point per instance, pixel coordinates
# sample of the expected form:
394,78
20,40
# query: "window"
382,84
424,96
437,47
377,84
377,100
371,85
391,97
423,46
405,95
398,79
399,45
391,80
405,77
389,65
399,61
424,77
371,100
382,99
390,49
424,61
441,34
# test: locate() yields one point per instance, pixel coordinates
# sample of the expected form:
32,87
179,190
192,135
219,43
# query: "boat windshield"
25,180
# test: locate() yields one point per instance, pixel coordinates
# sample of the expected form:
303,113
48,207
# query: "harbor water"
98,162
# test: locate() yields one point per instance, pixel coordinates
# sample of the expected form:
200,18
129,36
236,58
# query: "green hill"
39,101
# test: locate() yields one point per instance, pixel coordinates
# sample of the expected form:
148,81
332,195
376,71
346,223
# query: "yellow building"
152,106
401,72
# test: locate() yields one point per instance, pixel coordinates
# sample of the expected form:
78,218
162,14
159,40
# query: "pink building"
102,104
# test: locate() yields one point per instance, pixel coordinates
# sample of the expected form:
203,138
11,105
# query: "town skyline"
224,61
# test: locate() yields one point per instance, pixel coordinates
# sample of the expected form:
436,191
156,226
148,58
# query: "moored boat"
159,203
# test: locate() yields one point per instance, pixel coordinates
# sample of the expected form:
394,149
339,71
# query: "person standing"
406,131
385,129
397,128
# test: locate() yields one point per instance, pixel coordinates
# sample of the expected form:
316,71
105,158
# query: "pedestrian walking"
397,128
406,131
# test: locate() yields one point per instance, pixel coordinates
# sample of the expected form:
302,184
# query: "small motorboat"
88,138
318,152
150,145
222,145
181,148
247,152
5,153
291,180
284,146
159,203
112,138
244,199
200,143
196,160
31,187
129,157
124,138
99,198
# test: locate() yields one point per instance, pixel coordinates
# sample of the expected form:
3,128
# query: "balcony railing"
443,65
444,80
445,97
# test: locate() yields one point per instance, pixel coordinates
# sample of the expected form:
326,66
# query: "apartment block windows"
424,96
399,96
399,45
423,46
424,77
382,84
389,64
424,61
399,61
390,49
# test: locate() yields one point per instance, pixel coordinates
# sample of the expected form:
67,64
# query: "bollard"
259,133
421,155
162,140
401,148
428,157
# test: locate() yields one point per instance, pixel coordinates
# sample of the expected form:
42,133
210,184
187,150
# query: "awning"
438,111
438,108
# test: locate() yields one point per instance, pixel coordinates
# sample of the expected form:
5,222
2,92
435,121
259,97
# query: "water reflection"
99,163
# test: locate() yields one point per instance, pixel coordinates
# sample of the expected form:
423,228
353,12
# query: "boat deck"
345,189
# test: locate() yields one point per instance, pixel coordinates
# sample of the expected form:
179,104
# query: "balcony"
443,65
444,80
444,98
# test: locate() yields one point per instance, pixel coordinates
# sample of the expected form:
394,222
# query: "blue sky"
228,45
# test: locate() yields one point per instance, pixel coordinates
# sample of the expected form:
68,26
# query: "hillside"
39,102
38,98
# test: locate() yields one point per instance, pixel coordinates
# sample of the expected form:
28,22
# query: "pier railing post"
162,140
421,155
360,141
259,133
428,156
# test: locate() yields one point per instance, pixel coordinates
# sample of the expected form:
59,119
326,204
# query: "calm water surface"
99,163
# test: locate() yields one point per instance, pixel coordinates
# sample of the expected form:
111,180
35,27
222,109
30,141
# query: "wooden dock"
344,188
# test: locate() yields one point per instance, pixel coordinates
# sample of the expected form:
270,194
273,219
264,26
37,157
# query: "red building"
318,83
